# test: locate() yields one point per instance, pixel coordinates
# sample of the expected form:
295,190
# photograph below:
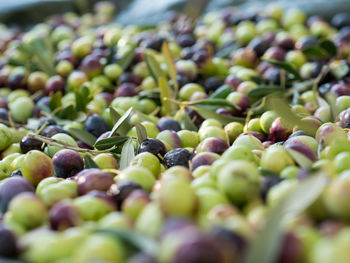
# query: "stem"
61,144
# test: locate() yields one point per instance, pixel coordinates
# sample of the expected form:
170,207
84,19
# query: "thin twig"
58,143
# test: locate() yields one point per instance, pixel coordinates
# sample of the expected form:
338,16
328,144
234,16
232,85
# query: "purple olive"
67,163
64,215
93,179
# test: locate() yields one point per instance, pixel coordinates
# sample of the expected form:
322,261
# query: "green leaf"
208,114
119,123
329,47
110,142
127,57
141,132
227,50
315,51
300,158
171,65
84,136
153,66
128,152
263,90
269,173
82,98
281,107
165,94
134,239
258,80
188,123
222,92
264,248
89,163
115,116
56,101
215,102
68,113
286,66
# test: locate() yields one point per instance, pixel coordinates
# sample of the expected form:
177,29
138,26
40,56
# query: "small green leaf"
127,57
258,80
153,66
208,114
89,163
264,248
141,132
84,136
188,124
115,116
128,152
300,158
133,239
263,90
222,92
227,50
329,46
110,142
287,67
171,65
281,107
165,95
269,173
315,51
68,113
119,123
215,102
56,100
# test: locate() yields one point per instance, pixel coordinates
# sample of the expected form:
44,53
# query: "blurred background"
149,12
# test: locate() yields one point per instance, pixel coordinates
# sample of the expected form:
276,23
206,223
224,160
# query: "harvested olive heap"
220,139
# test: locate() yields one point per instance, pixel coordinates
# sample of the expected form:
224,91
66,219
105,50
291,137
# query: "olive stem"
58,143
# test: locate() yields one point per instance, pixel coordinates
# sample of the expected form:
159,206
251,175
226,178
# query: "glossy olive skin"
93,179
67,163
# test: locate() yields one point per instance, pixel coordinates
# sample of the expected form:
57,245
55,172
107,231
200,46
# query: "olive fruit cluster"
176,143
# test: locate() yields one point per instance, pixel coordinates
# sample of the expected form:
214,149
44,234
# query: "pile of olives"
174,143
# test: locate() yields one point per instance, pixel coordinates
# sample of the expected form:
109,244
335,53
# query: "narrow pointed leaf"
287,67
171,65
89,163
263,90
128,152
153,66
126,59
329,46
209,114
187,123
133,239
315,51
110,142
300,158
265,247
141,132
165,94
122,120
56,101
84,136
215,102
115,116
222,92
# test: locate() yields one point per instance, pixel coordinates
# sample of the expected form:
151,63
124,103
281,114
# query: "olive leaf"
287,67
215,102
165,95
281,107
68,112
171,66
329,46
82,135
128,152
315,51
224,119
133,239
264,248
227,50
141,132
258,79
263,90
110,142
56,101
222,92
300,158
114,115
127,57
188,123
269,173
153,66
82,98
121,121
88,162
